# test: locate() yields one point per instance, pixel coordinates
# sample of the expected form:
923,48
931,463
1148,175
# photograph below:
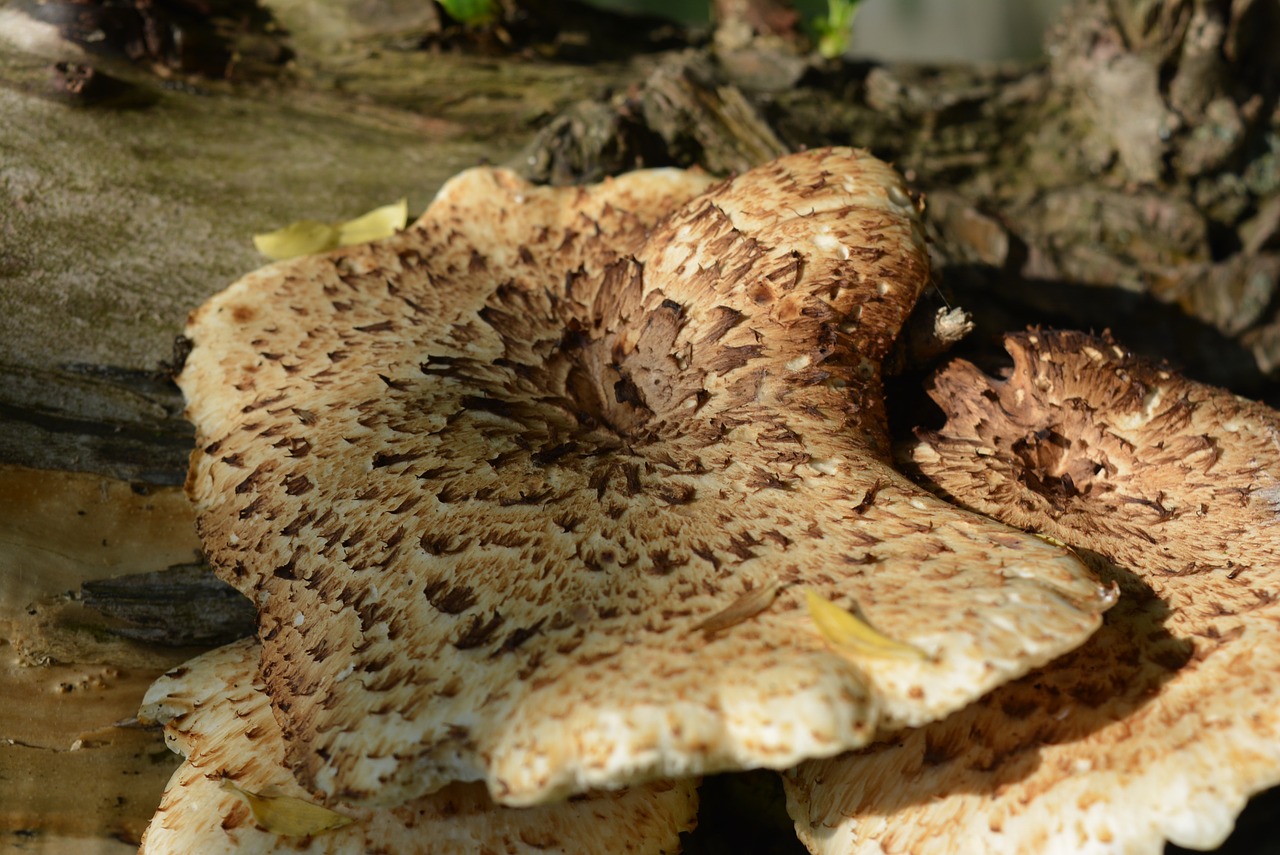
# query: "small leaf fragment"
848,632
289,816
378,223
306,237
1050,539
747,605
301,238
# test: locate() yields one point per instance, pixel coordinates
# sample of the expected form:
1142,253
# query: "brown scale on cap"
487,479
218,717
1163,723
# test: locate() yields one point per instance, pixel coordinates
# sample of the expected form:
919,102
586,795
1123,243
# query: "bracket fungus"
491,481
1163,723
233,793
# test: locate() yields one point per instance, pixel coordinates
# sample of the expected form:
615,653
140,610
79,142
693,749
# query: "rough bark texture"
1133,183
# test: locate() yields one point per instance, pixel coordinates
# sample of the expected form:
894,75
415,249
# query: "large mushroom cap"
1163,723
234,780
514,489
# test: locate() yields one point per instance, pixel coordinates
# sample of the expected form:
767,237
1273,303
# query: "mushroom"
233,793
1163,724
535,492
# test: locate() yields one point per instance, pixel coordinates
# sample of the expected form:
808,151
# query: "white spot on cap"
799,363
828,243
824,466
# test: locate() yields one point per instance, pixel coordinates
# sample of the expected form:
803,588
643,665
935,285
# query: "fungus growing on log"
233,793
491,481
1162,724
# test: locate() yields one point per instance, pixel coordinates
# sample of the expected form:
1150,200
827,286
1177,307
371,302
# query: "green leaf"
471,12
835,31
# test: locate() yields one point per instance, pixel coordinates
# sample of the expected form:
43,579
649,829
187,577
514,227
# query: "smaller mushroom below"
233,794
1162,725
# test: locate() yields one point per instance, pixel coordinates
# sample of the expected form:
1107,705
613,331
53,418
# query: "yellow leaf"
301,238
378,223
848,632
1048,538
306,237
288,816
